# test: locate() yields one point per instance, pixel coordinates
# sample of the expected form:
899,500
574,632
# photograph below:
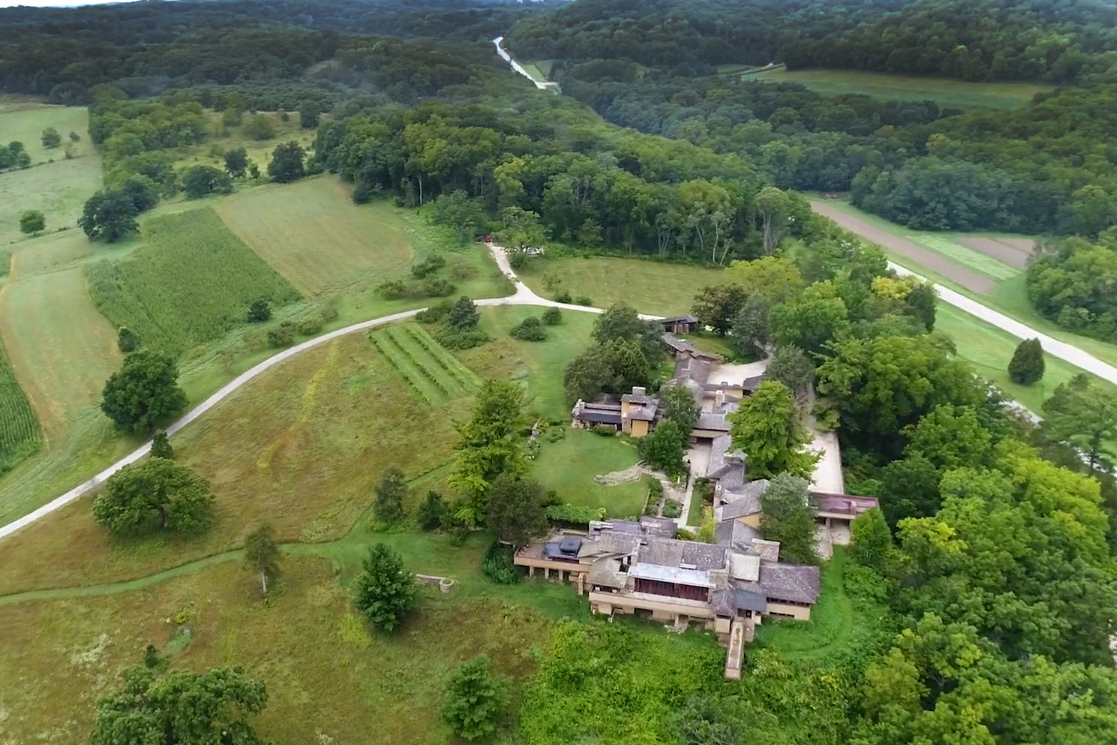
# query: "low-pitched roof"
749,600
676,319
726,465
662,527
674,575
610,544
796,583
607,573
750,384
670,552
735,534
823,502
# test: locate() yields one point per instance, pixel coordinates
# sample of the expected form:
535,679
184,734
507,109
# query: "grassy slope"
651,287
569,465
56,189
908,88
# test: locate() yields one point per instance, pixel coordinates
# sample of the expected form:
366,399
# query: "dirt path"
971,280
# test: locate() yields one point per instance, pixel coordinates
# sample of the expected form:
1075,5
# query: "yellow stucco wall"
639,429
797,612
753,521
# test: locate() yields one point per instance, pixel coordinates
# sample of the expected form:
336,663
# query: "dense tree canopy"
144,392
155,495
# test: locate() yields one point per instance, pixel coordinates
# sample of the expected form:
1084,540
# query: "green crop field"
191,282
947,246
314,235
947,93
650,286
430,371
19,432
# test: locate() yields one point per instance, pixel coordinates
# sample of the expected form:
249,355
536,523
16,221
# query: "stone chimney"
719,399
639,390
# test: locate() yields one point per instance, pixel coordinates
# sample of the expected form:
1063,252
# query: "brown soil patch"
1011,251
923,256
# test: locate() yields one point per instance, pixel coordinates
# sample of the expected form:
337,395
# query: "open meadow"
223,138
944,92
649,286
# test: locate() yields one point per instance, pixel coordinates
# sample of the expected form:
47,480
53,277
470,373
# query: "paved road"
522,296
1052,346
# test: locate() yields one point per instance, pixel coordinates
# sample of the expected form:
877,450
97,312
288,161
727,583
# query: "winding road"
522,296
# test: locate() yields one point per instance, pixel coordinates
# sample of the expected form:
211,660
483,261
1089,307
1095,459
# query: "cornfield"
191,282
430,371
19,432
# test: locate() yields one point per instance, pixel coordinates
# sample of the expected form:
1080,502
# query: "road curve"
522,296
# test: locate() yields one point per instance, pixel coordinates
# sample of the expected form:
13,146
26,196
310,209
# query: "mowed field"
649,286
190,282
57,189
947,93
314,235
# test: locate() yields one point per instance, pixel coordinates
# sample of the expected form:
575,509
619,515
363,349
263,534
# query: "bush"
310,326
282,335
564,297
461,339
583,300
435,313
605,430
461,270
126,341
259,311
475,699
327,312
497,565
574,514
671,508
432,512
259,128
552,317
517,260
530,329
428,266
554,434
437,287
392,290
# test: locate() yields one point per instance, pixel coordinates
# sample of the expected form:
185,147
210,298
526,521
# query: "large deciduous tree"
144,392
717,305
201,181
152,496
108,216
236,162
1082,415
515,513
490,443
791,366
385,590
811,320
183,708
950,437
287,163
475,699
611,367
665,448
871,540
766,426
786,516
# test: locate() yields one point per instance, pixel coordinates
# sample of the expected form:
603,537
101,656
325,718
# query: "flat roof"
674,575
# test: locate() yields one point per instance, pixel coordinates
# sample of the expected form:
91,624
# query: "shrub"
126,341
437,287
461,270
563,297
259,311
327,312
554,434
392,290
517,260
605,430
530,329
310,326
431,512
583,300
461,339
575,514
282,335
475,699
428,266
497,565
552,317
435,313
671,508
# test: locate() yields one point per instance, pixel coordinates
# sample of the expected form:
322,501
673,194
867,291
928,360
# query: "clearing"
57,189
943,91
568,466
190,282
538,365
649,286
314,235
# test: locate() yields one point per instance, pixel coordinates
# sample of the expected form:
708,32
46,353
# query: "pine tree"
385,590
161,446
1026,366
475,698
390,493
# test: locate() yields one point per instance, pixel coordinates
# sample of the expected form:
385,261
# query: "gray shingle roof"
792,582
674,553
735,534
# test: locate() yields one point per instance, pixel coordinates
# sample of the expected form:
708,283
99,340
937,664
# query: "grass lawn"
539,365
314,235
307,644
57,189
889,87
651,287
569,465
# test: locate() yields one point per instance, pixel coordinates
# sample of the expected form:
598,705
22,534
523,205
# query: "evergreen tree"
385,590
431,511
786,516
1027,365
390,490
161,446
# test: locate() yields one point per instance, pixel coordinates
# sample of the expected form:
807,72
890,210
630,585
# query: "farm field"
1009,296
649,286
539,365
56,189
946,93
314,235
191,282
19,431
428,369
569,465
